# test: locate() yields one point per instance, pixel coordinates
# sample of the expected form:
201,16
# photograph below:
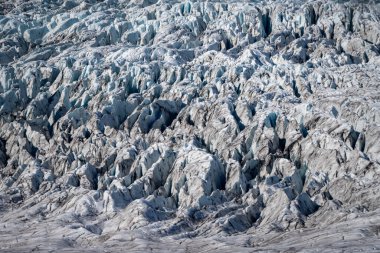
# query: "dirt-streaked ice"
171,126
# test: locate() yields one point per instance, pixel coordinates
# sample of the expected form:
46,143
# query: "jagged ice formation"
170,126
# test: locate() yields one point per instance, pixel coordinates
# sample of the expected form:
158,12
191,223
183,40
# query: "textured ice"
189,126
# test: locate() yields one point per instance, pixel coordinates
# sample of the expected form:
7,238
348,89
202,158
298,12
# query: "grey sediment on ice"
170,126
